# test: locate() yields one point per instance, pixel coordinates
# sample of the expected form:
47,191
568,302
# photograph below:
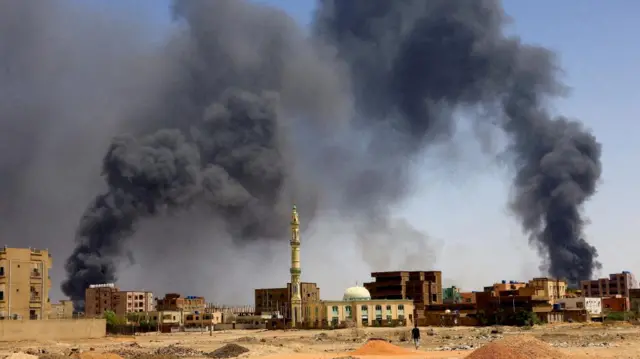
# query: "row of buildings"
408,297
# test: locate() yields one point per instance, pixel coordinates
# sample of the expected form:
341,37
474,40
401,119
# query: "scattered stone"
497,330
247,339
178,351
321,336
228,351
431,332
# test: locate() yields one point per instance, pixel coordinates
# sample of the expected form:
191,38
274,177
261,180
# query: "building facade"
616,284
554,289
593,306
176,302
62,310
276,300
24,283
133,302
616,303
99,298
107,297
423,287
358,309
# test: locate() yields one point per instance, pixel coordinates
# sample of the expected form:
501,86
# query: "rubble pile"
227,351
178,351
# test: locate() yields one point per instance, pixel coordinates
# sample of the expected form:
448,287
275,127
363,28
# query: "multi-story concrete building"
62,310
423,287
176,302
102,297
276,300
99,298
133,302
551,288
616,284
504,285
24,283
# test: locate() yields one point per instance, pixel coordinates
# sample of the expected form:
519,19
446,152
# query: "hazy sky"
463,206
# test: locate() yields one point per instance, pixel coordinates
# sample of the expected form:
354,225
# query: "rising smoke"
250,113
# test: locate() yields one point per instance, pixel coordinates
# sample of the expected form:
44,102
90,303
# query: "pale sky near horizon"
463,207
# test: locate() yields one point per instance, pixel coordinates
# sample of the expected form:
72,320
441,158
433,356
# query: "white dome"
356,293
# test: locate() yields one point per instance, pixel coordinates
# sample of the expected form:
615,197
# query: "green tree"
111,318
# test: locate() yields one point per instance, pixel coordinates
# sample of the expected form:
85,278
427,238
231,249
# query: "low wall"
52,329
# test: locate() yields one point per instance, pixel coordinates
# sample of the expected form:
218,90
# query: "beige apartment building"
24,283
102,297
62,310
554,289
616,284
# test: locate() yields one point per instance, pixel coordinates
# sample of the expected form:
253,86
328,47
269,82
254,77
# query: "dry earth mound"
517,347
381,347
228,351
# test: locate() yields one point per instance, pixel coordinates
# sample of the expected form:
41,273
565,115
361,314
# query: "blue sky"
465,210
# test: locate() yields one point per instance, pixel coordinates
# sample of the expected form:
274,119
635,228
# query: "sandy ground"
578,340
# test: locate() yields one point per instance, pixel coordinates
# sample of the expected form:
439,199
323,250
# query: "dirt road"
579,340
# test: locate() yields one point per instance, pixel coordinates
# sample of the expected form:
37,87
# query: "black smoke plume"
251,113
421,61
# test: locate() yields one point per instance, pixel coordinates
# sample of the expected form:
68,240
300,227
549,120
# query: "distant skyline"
462,202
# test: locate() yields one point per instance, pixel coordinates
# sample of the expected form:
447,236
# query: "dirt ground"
577,340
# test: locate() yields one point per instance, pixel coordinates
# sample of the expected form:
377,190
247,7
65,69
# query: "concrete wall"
53,329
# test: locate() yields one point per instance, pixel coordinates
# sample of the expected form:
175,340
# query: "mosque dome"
356,293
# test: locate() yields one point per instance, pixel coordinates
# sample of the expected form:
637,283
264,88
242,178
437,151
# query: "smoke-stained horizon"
242,112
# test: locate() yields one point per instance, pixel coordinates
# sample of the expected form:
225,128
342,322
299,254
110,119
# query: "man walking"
415,335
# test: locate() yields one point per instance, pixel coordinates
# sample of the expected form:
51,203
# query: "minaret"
296,299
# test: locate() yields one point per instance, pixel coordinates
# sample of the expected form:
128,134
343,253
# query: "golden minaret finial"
295,220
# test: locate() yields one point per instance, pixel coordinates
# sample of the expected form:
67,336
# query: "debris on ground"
321,336
247,339
95,355
227,351
178,351
380,347
52,356
517,347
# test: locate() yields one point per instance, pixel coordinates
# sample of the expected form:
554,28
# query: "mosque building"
300,305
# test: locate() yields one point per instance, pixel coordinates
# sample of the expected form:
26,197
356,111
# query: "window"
334,309
1,271
347,309
401,310
580,305
1,295
378,312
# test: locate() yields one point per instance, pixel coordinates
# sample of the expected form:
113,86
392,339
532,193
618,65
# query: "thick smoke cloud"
69,81
420,62
241,113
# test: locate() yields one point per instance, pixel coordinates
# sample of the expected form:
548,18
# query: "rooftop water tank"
504,281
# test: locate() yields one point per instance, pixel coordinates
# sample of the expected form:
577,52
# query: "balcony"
36,274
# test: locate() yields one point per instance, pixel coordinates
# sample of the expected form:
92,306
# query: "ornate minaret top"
295,220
